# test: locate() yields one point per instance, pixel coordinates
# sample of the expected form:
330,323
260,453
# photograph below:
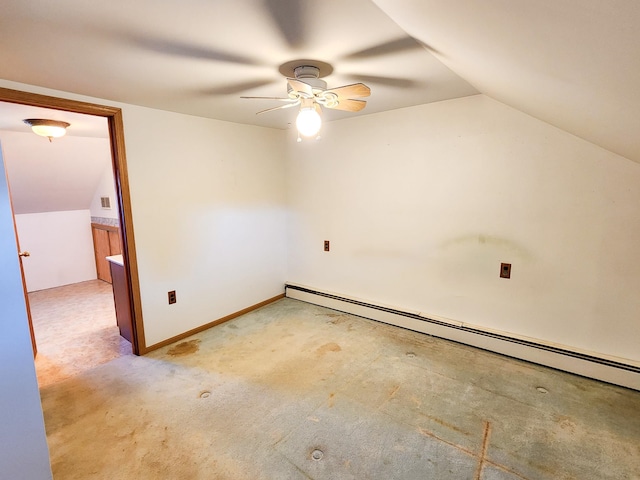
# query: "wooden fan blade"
349,105
301,87
282,99
355,90
278,108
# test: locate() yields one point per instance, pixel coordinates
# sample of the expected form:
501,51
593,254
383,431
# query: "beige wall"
422,204
208,201
105,188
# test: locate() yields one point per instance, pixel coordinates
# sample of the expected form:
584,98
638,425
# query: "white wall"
208,201
23,447
61,248
421,206
106,188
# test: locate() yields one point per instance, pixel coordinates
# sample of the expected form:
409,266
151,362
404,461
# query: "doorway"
113,117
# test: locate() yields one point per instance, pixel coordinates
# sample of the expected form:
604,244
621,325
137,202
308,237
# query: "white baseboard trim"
621,372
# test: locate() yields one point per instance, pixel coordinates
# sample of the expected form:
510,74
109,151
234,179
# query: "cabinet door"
121,301
103,250
114,243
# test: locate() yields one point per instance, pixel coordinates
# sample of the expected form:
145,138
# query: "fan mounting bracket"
288,69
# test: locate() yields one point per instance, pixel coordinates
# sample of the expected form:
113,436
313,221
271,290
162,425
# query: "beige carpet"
75,330
295,391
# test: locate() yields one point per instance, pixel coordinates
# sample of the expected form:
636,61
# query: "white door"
24,453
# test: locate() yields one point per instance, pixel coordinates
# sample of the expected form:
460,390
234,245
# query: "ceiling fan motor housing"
311,76
306,89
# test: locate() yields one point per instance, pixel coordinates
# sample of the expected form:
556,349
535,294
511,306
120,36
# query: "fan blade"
235,88
289,105
183,49
282,99
349,105
388,81
288,17
299,86
355,90
387,48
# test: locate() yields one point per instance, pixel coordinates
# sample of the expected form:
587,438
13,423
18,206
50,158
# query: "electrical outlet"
172,297
505,270
326,245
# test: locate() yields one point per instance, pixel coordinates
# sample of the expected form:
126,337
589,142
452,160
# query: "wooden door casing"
27,305
114,118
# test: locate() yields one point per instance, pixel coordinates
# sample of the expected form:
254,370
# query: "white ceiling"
572,63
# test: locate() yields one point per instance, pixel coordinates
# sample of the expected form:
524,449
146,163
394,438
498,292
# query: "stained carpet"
296,391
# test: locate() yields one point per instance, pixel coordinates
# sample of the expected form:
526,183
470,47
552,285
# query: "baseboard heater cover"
591,366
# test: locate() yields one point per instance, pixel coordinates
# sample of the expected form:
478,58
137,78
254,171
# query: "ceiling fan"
306,88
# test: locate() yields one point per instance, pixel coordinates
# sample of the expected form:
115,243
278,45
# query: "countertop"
117,259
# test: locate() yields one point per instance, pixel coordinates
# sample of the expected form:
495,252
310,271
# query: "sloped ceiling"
53,177
572,63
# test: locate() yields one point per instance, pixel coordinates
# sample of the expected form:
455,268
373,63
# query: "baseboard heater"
560,357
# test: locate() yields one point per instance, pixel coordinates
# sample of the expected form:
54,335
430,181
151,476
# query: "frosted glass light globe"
49,130
308,122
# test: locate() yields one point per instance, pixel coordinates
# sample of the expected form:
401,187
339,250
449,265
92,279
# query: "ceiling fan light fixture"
308,121
305,87
47,128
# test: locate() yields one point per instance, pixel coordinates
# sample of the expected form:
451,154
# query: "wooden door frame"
119,163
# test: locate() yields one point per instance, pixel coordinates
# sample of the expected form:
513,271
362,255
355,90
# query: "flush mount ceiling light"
47,128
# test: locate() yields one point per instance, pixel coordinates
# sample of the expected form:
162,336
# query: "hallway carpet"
297,391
